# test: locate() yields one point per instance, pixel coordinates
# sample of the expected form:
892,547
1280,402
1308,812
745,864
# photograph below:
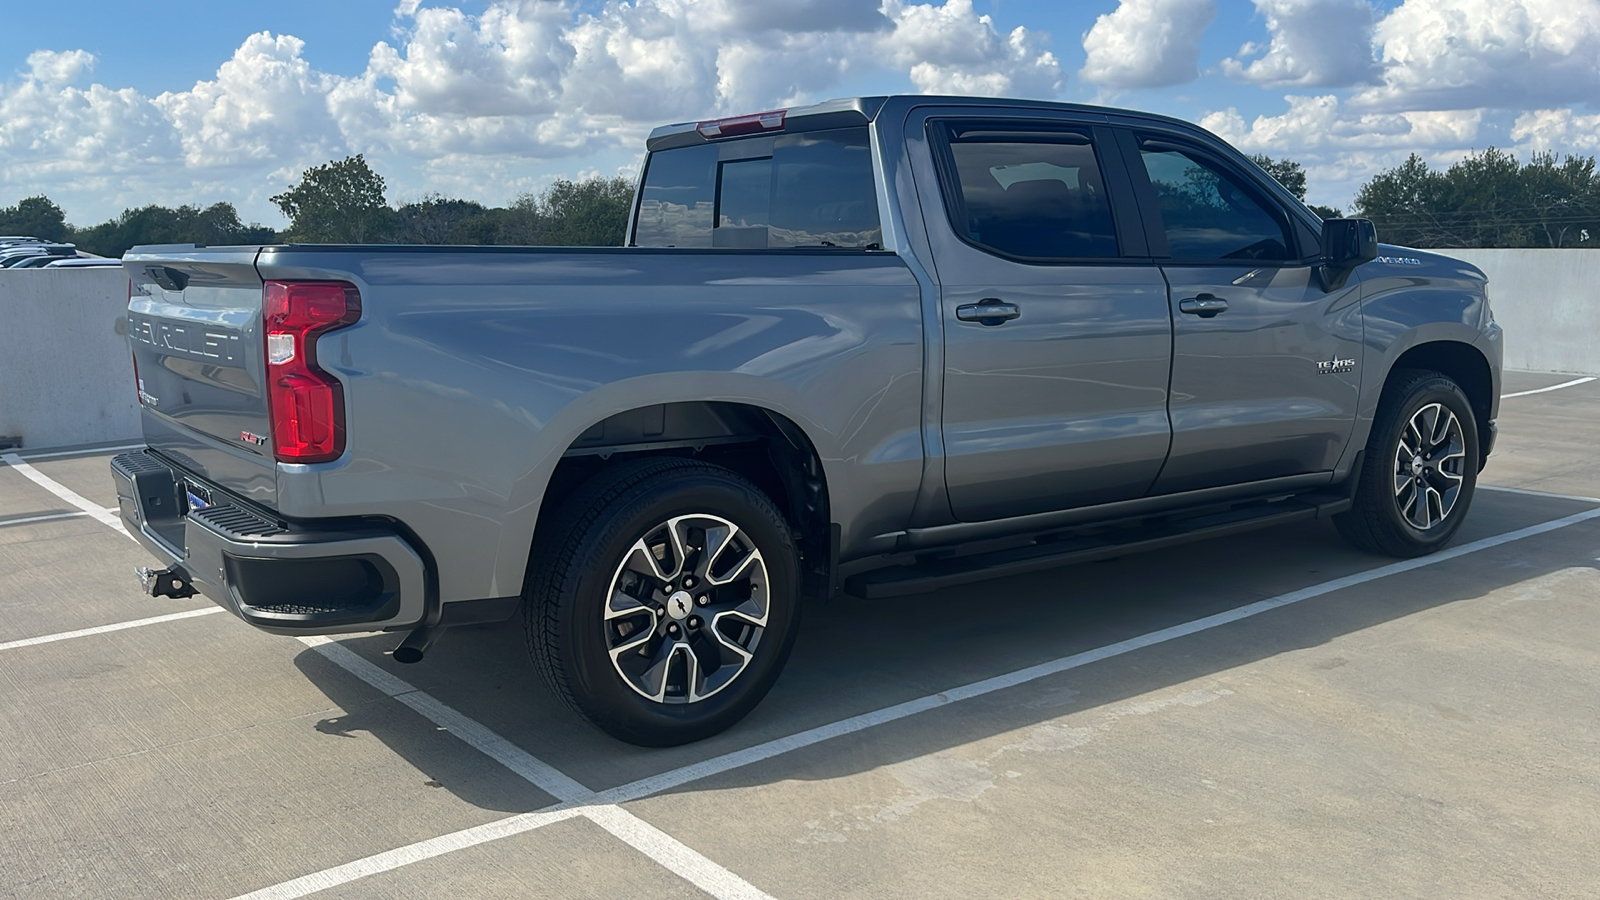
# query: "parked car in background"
39,262
15,254
875,346
82,262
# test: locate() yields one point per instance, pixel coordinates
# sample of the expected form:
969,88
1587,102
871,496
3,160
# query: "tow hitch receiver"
172,581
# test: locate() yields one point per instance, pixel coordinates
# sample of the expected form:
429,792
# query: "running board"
1066,549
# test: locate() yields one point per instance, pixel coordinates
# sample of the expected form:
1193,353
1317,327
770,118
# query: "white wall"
1548,301
66,376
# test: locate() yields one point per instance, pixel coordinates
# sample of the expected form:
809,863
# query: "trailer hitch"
172,581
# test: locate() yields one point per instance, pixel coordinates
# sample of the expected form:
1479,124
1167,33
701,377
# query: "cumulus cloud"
1315,43
1322,123
1147,43
483,99
1456,54
950,50
1557,129
50,67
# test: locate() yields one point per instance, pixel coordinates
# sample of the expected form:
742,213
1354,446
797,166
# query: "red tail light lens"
305,404
754,123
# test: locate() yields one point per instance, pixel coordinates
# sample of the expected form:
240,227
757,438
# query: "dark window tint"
1033,197
1207,214
815,190
679,197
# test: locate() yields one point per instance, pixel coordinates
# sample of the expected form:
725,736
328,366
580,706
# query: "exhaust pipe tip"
416,644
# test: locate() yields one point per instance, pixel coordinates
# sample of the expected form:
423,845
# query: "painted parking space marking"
650,786
660,847
100,513
107,629
1554,387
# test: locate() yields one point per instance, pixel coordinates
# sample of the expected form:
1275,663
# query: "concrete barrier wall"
66,376
1548,301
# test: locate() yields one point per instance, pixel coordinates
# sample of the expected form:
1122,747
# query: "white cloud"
1315,43
1322,123
1147,43
1557,129
950,50
1456,54
50,67
266,104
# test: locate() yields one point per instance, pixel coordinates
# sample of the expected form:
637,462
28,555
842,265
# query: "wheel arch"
1464,364
763,444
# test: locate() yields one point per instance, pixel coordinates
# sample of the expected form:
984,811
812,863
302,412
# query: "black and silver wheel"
663,606
1419,470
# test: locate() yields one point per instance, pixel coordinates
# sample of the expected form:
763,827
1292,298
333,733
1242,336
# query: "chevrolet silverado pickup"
866,348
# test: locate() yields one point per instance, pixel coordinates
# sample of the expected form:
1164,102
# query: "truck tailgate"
194,323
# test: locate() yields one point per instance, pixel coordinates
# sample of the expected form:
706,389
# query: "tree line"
343,202
1486,199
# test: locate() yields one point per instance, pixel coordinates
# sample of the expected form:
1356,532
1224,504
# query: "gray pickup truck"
870,347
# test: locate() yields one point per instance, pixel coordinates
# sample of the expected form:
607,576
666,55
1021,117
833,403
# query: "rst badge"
250,437
1335,366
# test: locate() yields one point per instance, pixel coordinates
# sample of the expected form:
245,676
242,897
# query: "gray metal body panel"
472,370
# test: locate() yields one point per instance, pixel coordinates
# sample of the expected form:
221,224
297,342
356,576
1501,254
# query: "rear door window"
810,190
1033,194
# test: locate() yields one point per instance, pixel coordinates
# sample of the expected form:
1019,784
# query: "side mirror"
1346,243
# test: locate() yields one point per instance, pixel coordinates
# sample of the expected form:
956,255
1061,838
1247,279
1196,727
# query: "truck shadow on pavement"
853,657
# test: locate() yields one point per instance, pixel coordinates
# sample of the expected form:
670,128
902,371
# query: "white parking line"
659,846
656,784
1554,387
100,513
1529,492
103,629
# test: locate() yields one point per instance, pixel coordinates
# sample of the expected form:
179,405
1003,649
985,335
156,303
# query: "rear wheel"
1419,470
662,606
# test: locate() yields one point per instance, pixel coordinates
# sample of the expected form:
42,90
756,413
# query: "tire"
1419,471
653,644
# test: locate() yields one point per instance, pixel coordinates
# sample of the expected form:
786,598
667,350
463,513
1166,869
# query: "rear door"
1265,366
194,324
1057,338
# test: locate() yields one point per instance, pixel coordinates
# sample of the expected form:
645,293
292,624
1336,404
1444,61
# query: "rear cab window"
812,189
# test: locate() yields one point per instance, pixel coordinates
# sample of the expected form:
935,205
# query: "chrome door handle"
988,311
1205,306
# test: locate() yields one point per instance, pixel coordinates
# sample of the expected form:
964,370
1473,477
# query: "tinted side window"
1208,214
816,190
1035,196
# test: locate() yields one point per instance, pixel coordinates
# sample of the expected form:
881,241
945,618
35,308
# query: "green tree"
340,202
588,213
436,219
1487,199
1288,173
38,217
217,224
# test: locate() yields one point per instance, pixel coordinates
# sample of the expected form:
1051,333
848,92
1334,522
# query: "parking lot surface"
1268,715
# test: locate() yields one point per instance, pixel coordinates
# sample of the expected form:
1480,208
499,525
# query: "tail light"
305,404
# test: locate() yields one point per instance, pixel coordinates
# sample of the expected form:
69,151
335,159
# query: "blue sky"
122,103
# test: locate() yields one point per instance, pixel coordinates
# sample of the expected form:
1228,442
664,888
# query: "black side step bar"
1048,553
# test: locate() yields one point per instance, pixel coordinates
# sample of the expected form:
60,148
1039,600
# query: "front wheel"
662,605
1419,470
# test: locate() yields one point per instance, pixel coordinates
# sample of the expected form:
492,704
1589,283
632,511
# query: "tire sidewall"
1443,391
597,686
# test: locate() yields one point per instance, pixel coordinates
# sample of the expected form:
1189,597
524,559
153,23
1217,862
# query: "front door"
1266,364
1056,331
